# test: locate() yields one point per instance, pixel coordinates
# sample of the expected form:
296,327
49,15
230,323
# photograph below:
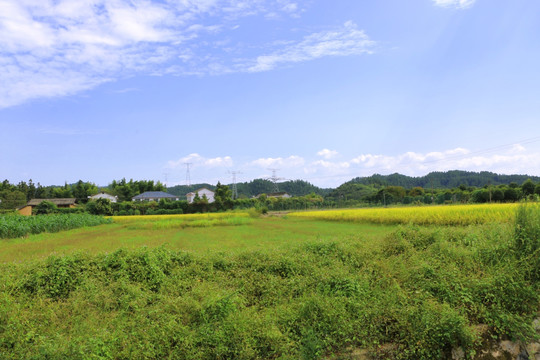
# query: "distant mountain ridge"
444,180
256,187
437,180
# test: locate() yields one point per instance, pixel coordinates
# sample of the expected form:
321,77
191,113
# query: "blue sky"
322,90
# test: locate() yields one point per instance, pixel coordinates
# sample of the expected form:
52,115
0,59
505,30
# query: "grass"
270,288
256,234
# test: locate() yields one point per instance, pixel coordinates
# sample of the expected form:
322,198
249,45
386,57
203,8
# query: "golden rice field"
420,215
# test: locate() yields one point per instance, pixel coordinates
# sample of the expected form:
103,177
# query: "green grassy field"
258,234
267,288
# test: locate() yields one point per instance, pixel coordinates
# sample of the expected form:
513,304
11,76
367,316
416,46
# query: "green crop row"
18,226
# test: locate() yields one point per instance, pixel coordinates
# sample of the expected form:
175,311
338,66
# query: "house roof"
60,201
155,195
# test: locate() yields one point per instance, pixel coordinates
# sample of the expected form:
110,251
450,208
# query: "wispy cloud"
348,40
63,47
459,4
126,90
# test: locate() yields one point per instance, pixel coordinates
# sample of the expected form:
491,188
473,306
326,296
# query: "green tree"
497,195
62,192
480,196
223,197
31,193
527,187
511,194
82,190
12,199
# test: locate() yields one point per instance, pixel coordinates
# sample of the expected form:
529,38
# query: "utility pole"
188,177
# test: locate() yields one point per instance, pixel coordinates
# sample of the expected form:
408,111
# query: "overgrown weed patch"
422,290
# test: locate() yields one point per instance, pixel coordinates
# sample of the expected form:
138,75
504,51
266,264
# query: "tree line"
376,190
16,195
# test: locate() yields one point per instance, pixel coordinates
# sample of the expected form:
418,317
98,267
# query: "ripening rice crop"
421,215
18,226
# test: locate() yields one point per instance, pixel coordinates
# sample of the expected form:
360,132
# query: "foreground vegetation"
412,292
14,226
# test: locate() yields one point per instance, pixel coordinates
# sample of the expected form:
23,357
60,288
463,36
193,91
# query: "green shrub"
46,207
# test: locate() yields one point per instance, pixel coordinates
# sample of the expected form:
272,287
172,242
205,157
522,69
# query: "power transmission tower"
234,189
275,180
188,178
166,174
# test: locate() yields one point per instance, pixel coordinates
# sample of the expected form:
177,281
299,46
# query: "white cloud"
291,161
459,4
57,48
517,148
327,154
333,167
515,159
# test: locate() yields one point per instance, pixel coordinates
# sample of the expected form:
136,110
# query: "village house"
104,195
60,203
202,192
155,196
277,195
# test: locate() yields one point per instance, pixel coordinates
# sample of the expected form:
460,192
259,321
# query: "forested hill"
258,186
445,180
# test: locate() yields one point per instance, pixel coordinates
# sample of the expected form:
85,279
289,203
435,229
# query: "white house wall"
209,195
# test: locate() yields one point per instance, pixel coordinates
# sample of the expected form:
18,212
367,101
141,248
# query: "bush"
100,207
46,207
